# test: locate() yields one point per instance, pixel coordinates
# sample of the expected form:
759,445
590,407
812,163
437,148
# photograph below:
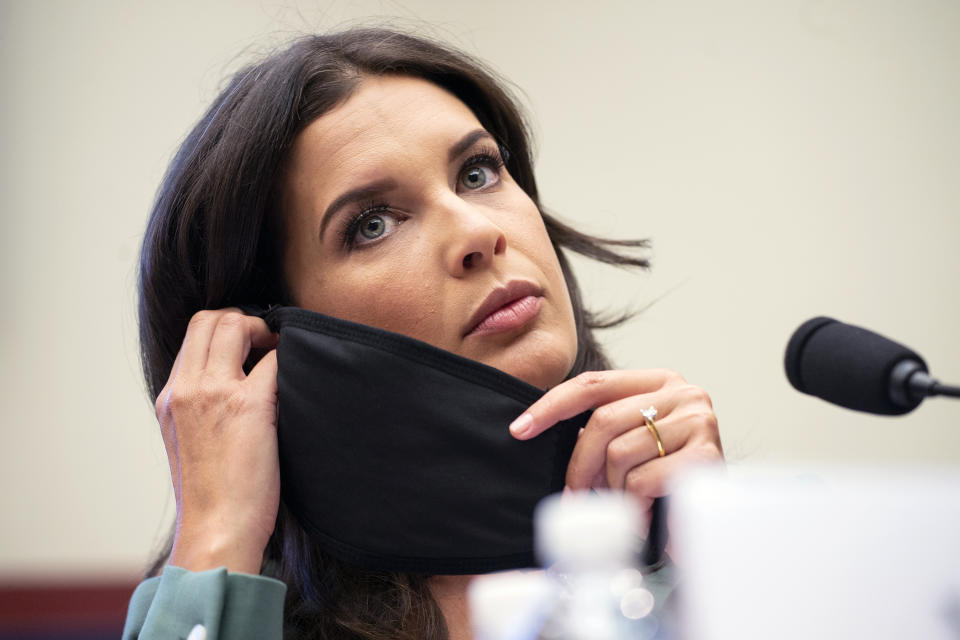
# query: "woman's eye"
478,176
372,227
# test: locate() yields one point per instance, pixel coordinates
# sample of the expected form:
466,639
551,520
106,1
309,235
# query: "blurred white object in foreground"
592,590
589,538
510,605
818,554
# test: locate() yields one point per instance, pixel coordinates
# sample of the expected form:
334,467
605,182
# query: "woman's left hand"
615,449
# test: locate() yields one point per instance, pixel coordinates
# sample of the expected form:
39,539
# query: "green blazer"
238,606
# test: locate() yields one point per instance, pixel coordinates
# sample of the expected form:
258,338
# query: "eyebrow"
466,142
360,194
374,189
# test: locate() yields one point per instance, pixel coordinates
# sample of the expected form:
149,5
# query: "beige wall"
788,159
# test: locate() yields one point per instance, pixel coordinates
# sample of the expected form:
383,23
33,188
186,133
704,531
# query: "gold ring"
648,416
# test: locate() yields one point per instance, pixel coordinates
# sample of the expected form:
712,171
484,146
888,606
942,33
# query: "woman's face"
399,215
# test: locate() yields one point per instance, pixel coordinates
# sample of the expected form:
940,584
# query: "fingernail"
521,426
567,492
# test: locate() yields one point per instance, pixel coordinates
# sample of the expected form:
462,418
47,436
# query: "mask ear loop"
256,310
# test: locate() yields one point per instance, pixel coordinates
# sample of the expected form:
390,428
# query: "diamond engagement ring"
648,416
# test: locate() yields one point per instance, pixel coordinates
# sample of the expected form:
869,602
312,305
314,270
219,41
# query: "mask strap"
265,313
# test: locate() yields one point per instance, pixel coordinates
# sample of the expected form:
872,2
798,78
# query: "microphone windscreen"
846,365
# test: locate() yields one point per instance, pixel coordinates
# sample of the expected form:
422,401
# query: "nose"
473,239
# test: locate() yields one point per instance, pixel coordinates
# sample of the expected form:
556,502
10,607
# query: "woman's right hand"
219,428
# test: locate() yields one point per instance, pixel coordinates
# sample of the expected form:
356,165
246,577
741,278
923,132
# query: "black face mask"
395,454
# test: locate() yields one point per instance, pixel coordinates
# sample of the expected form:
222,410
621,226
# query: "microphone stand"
910,382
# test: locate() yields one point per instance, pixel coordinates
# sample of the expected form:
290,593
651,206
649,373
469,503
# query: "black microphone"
858,369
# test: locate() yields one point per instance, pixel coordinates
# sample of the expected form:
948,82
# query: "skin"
445,246
454,230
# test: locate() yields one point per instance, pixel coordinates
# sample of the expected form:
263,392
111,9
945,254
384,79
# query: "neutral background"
788,159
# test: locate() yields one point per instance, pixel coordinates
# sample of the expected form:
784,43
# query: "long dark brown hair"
214,240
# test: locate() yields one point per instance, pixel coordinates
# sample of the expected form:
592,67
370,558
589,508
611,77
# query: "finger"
652,479
606,426
586,391
639,446
264,374
232,340
196,341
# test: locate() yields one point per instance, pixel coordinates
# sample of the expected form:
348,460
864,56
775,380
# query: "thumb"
264,374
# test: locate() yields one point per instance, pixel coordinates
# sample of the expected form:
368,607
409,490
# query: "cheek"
380,297
533,240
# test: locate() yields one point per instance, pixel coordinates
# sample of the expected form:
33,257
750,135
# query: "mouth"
506,308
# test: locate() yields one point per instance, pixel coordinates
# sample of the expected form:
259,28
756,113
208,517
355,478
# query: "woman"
386,180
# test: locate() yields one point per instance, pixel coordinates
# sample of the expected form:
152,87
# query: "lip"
510,297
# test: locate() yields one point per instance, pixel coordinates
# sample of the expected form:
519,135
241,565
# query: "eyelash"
489,156
349,231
